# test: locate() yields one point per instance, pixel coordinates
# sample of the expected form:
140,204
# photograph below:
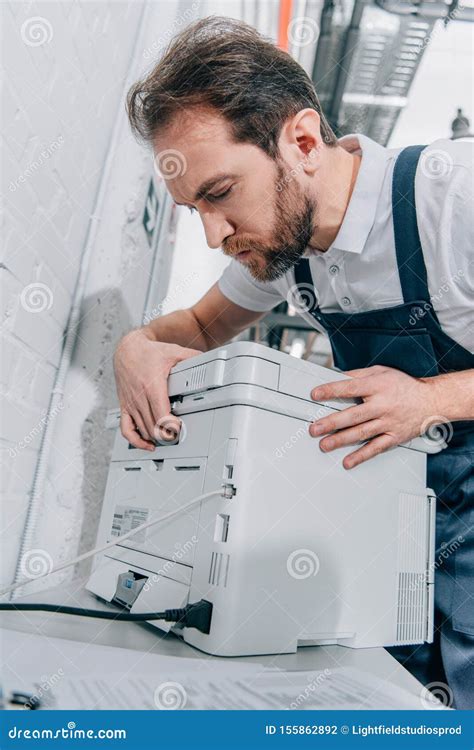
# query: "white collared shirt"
359,270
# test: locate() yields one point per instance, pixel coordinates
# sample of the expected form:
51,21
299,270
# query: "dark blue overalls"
409,338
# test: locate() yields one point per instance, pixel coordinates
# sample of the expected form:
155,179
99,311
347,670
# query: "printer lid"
248,363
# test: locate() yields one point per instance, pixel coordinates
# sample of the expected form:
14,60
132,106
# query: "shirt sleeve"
461,237
239,286
444,185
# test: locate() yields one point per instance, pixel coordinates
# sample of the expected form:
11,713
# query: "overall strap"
411,264
306,297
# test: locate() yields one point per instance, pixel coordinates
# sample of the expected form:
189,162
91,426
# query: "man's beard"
294,226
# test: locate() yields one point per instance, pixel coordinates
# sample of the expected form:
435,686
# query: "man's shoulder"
445,169
439,157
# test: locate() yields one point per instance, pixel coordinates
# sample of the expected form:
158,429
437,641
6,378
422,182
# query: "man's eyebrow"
207,186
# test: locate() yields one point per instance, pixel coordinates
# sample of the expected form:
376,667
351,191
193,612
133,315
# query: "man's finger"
343,389
352,435
146,414
363,371
140,424
128,429
378,445
166,426
186,353
341,419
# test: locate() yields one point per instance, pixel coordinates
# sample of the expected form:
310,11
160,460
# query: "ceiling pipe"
454,11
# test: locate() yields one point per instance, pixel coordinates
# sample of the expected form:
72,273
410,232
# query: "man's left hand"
395,408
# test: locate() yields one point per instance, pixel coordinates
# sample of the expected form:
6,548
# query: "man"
238,133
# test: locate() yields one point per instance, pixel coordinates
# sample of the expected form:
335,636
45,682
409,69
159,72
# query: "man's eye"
220,196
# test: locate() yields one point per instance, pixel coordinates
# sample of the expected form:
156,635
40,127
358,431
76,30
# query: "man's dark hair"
227,65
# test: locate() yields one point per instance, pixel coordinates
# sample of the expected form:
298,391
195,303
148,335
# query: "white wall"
64,80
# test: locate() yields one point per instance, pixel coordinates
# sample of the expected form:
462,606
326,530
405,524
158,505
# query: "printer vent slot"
410,616
219,569
412,565
196,377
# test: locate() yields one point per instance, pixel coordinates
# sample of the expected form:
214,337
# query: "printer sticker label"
127,518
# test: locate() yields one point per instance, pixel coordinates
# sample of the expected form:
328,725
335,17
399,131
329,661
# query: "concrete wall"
65,65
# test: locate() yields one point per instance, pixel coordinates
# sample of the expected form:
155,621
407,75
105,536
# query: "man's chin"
262,270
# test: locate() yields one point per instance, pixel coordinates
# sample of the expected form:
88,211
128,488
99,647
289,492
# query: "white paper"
72,675
344,688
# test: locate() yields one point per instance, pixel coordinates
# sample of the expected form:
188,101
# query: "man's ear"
301,142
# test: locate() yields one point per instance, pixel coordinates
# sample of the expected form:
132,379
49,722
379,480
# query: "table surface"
146,638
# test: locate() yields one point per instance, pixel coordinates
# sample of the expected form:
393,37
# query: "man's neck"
336,188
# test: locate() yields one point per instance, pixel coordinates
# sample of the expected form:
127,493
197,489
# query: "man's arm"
144,357
212,321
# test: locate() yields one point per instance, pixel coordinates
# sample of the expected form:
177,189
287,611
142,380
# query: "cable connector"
228,491
197,615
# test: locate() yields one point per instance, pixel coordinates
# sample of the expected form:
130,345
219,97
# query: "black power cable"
197,615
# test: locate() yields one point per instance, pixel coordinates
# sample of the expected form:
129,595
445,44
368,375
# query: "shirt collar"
360,213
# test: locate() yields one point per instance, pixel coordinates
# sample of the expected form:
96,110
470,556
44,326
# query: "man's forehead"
198,149
194,126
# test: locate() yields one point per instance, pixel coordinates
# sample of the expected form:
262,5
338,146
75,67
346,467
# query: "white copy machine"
297,550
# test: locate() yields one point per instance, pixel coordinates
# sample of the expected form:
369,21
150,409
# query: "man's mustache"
232,247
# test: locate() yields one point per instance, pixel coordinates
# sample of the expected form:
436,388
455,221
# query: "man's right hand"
142,367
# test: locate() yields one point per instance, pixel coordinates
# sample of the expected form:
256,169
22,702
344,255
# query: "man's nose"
216,228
